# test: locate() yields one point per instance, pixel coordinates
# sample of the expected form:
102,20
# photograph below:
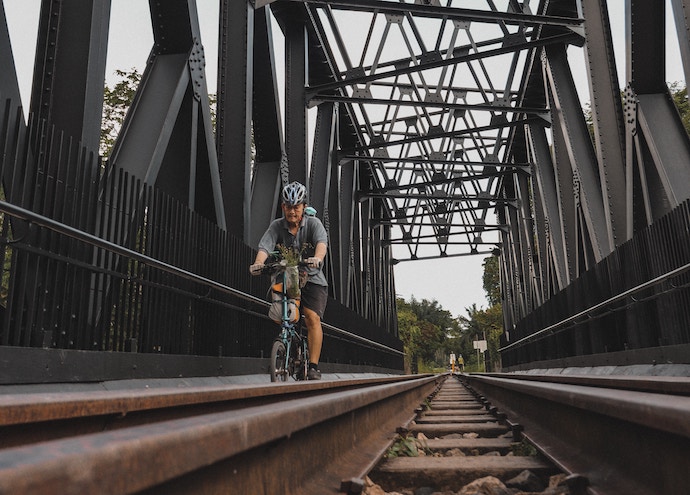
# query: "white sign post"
480,345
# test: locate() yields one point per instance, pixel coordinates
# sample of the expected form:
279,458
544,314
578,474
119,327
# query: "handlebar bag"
275,310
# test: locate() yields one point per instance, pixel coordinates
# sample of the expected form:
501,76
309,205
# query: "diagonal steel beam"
449,134
438,12
565,38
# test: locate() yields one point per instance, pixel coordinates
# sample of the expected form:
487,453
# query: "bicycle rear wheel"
278,367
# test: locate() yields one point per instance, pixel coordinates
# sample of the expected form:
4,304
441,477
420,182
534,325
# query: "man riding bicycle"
297,230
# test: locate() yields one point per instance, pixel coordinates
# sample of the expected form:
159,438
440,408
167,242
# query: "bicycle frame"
290,352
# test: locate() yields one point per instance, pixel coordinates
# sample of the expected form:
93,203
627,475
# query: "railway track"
615,434
456,439
597,434
604,435
300,437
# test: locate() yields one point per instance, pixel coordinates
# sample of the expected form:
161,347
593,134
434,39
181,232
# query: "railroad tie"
458,422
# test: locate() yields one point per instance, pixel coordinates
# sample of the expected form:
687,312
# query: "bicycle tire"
301,359
278,367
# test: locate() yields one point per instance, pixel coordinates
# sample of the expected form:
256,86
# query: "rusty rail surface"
622,434
274,438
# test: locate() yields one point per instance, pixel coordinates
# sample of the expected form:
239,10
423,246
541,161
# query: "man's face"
293,213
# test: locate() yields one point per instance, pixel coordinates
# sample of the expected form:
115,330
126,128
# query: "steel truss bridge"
423,128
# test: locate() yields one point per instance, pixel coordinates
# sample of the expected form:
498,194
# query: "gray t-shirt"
311,231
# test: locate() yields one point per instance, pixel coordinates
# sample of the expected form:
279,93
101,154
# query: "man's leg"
314,334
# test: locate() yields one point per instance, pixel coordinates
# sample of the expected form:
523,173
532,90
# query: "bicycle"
290,350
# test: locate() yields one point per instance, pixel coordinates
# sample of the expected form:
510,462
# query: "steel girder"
69,71
592,192
267,130
432,115
167,135
658,150
433,89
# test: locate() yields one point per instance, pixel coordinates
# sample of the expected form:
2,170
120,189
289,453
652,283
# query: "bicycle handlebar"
275,266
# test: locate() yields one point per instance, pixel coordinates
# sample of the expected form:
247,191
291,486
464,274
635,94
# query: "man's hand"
256,268
314,262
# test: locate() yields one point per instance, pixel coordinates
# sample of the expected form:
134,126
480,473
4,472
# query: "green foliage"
679,94
491,281
523,449
406,446
291,255
430,334
409,334
116,102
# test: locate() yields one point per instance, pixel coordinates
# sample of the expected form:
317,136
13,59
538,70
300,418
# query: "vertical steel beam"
233,126
69,73
358,274
367,296
568,116
607,117
547,193
10,110
323,151
324,169
9,85
344,204
268,131
645,46
296,67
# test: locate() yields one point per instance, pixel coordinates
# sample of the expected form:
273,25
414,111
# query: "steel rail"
621,439
324,432
61,228
676,385
611,300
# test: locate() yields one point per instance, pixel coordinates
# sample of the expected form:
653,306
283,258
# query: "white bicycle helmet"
294,194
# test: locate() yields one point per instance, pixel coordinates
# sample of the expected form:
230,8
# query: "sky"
456,283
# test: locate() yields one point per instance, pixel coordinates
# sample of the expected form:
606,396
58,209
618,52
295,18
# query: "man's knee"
311,317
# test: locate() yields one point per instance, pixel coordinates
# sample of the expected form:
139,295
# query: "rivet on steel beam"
353,486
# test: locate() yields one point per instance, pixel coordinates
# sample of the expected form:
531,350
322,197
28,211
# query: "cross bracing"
423,128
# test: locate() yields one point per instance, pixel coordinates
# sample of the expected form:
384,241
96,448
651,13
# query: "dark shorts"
315,297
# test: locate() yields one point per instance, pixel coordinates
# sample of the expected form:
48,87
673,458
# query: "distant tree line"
430,334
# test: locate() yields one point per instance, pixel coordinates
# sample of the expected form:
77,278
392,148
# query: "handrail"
611,300
61,228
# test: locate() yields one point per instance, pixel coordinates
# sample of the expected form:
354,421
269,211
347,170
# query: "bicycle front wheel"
278,367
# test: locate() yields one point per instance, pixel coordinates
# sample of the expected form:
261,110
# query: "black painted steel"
432,117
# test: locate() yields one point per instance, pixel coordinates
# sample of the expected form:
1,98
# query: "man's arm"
261,257
258,265
319,255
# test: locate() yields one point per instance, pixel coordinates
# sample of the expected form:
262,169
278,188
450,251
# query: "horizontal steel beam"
542,112
437,12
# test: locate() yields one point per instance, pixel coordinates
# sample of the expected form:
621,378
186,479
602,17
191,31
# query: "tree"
409,333
480,324
491,280
680,98
116,102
